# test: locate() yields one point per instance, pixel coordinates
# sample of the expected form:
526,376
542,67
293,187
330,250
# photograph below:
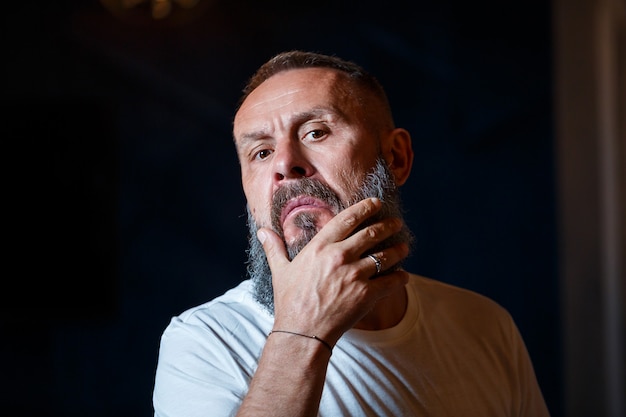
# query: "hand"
327,288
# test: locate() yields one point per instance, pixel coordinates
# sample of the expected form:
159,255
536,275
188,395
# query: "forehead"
296,90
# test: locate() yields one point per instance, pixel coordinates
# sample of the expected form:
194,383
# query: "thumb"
273,246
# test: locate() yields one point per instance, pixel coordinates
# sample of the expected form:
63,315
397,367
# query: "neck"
387,312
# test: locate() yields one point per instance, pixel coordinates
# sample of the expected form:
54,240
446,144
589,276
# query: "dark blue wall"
122,185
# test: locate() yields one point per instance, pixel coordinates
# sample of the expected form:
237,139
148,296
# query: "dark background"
122,198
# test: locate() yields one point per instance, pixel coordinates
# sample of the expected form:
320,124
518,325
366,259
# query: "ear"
398,152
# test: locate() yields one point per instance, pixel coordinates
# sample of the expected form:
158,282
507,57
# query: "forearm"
289,380
324,291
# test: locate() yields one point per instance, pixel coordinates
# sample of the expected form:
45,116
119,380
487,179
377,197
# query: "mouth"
298,204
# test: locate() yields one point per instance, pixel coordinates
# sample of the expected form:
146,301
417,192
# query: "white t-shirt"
455,353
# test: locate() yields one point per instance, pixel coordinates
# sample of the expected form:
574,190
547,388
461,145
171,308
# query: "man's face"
301,124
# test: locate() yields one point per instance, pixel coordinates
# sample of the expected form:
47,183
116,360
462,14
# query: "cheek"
349,180
259,200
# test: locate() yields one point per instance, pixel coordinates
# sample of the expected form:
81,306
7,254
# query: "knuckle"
372,232
339,258
351,221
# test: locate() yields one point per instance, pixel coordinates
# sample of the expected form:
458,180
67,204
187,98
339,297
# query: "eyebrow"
297,119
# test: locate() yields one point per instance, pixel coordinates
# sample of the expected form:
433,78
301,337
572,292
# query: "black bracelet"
322,341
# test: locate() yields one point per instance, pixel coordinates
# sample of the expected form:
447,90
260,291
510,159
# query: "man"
329,323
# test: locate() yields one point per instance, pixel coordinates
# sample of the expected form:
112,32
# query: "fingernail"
261,236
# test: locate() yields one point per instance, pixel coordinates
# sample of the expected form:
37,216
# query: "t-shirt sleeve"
196,374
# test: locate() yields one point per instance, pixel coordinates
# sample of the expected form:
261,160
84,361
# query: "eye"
315,134
262,154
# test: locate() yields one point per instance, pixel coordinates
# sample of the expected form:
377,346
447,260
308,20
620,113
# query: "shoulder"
236,301
442,292
440,299
233,315
448,311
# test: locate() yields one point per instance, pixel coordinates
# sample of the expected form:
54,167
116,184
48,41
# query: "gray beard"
378,183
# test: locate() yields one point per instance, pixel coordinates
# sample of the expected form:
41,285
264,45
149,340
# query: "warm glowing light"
159,9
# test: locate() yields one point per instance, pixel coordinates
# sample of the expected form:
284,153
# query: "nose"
291,162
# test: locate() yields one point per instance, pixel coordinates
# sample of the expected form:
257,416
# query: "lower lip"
299,209
303,207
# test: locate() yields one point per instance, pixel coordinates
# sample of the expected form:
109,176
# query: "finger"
379,262
372,235
344,223
274,248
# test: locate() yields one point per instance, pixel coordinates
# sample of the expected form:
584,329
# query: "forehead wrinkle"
265,101
326,88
